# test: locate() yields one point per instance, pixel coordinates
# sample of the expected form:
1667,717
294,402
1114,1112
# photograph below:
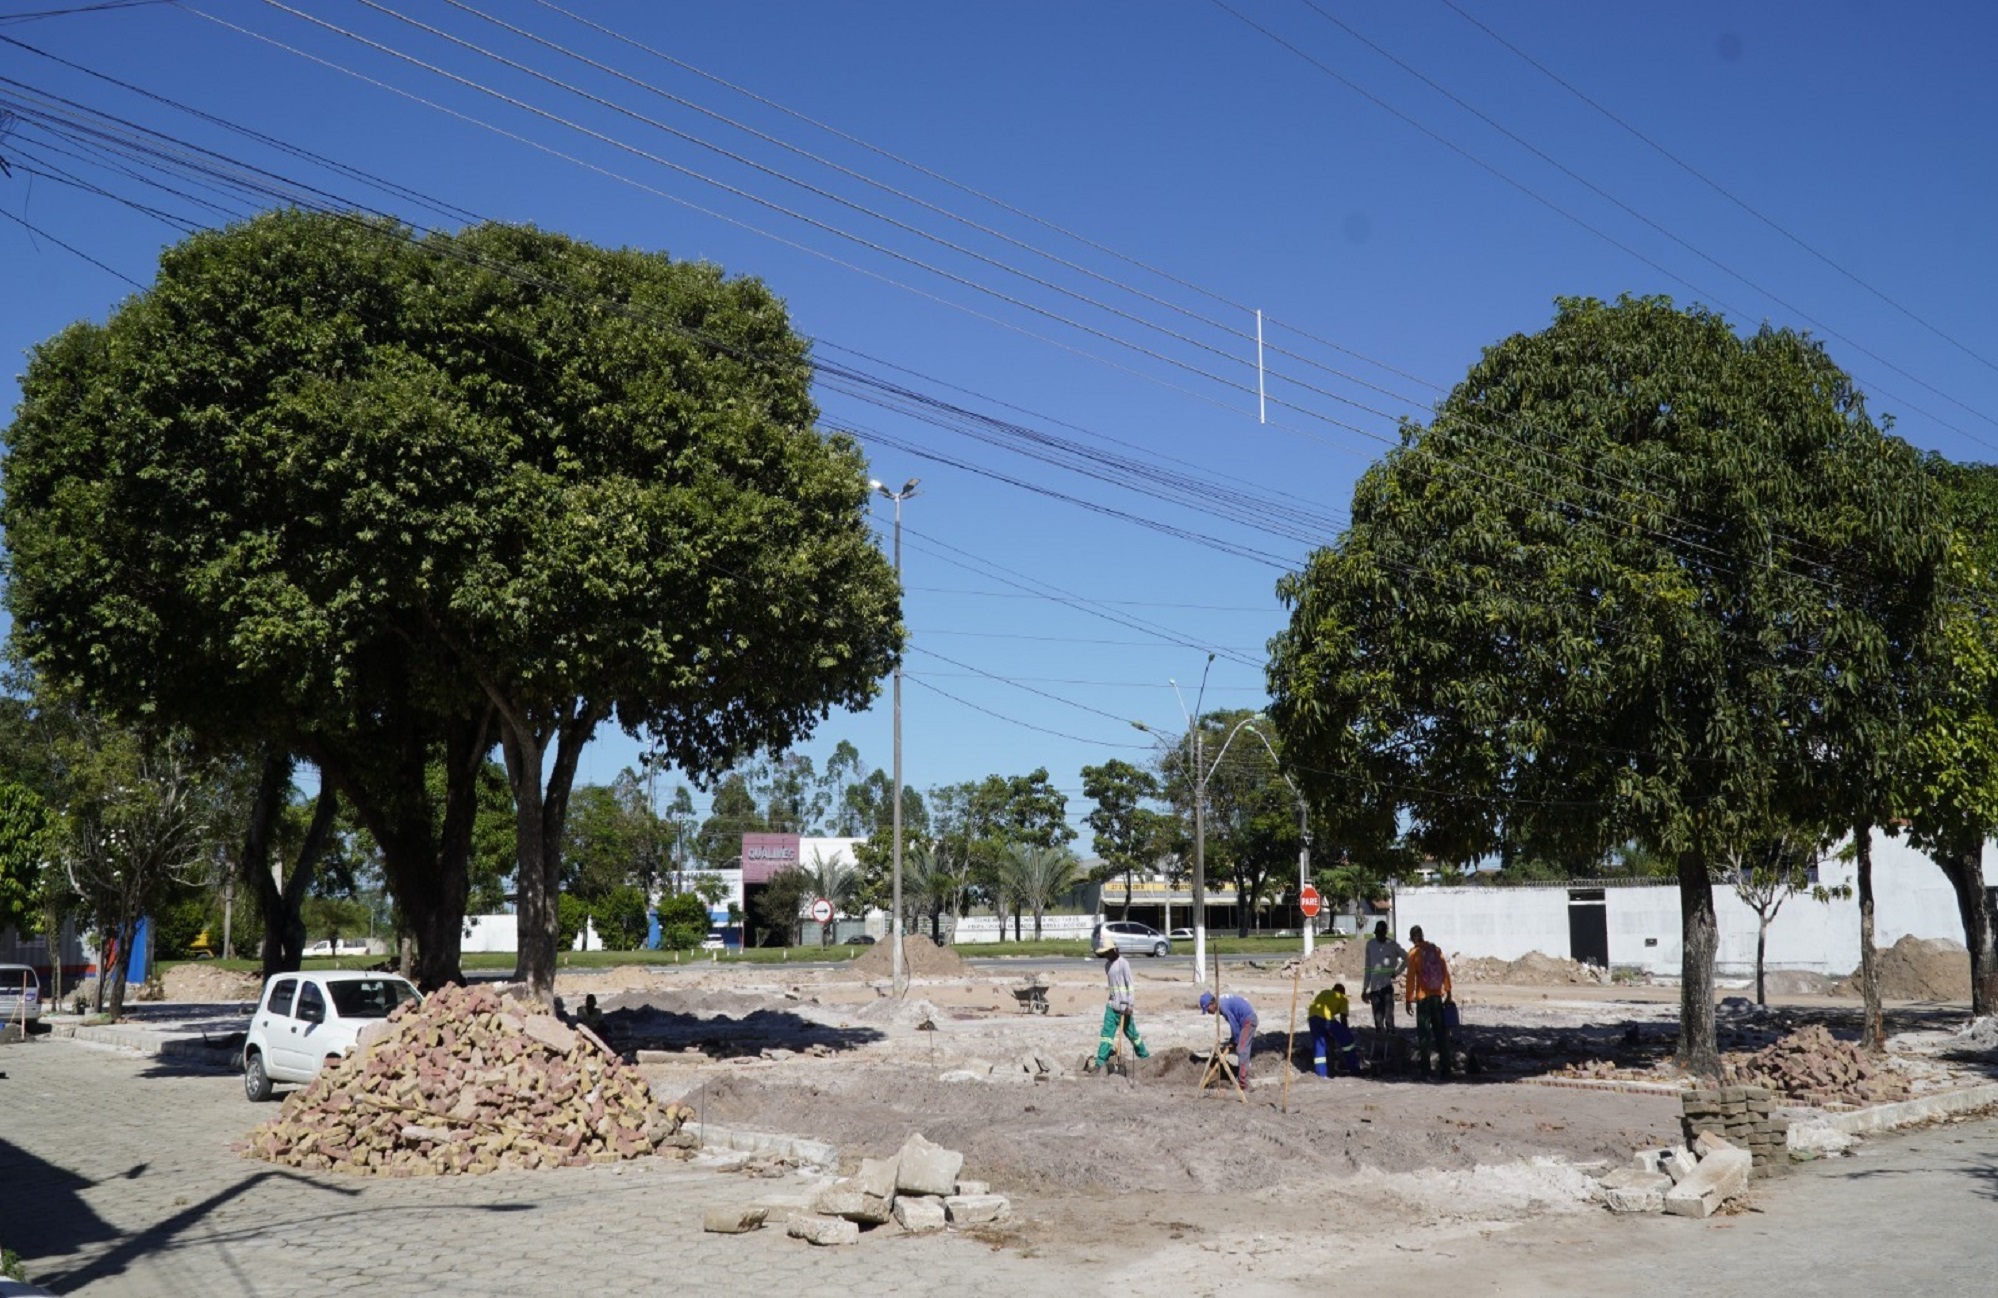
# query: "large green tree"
1131,834
1251,815
1640,579
415,496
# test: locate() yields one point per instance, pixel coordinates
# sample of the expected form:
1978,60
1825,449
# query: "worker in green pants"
1117,1012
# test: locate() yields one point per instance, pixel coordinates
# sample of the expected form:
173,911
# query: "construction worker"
1241,1018
1117,1013
1426,995
591,1017
1327,1017
1385,961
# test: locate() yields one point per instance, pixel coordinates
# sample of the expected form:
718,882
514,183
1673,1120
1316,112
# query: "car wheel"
256,1082
1158,949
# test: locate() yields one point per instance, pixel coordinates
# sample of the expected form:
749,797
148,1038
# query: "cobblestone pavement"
116,1180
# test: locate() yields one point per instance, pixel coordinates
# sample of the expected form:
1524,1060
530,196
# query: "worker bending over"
1428,992
1241,1018
1328,1019
1118,1013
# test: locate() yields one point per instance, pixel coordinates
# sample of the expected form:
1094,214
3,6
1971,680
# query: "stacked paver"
468,1082
1739,1115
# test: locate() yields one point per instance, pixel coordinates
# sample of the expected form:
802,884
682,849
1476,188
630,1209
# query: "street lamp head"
909,487
876,484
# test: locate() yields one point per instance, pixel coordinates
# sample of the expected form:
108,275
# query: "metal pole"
1262,401
898,969
1199,851
1304,866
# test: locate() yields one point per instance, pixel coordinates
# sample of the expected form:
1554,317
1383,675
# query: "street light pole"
899,971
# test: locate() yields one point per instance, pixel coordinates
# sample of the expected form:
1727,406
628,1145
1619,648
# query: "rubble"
1722,1175
1631,1190
975,1209
924,1168
469,1081
1811,1066
823,1231
920,1214
733,1221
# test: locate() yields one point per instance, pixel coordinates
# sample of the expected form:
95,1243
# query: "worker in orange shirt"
1426,993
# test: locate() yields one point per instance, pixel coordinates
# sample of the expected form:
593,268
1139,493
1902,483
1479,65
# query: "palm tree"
839,883
1031,877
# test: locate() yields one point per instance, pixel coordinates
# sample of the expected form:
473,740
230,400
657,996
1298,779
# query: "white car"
304,1019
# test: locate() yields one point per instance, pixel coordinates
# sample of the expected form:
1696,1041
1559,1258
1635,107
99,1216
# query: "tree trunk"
1699,935
1963,865
1037,926
383,774
1872,1027
1761,947
541,811
128,926
1127,895
272,780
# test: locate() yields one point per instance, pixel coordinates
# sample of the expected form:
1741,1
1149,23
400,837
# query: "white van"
20,995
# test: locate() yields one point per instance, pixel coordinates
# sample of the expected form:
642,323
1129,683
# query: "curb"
1886,1117
1593,1084
151,1043
812,1153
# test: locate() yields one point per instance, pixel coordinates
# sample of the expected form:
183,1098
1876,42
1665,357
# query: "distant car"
20,995
305,1019
861,939
1132,937
1181,935
337,946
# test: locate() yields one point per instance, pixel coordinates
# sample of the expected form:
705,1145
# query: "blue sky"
1830,169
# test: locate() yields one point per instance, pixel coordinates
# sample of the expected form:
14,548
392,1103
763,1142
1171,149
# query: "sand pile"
1919,969
1531,970
625,977
1978,1034
1344,961
207,982
1797,982
1811,1066
469,1081
921,958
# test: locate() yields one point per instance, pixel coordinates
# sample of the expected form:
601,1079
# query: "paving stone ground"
116,1181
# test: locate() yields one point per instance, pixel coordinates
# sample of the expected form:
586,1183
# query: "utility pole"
899,970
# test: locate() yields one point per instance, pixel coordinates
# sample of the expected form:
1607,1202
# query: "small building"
1622,923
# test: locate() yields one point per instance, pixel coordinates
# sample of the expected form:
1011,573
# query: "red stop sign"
1308,901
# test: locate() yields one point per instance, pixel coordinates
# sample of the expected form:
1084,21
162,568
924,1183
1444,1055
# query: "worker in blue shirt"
1241,1018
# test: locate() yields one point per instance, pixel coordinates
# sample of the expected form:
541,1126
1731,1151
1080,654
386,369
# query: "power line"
1715,185
1127,603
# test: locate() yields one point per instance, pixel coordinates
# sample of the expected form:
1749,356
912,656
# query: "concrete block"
842,1200
920,1214
876,1177
976,1209
1708,1144
733,1221
822,1231
925,1168
1721,1176
1628,1190
1811,1140
1678,1163
974,1187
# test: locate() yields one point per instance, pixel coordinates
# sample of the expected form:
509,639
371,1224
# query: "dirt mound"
207,982
1797,982
921,958
469,1081
1918,969
701,1004
902,1014
1334,960
625,977
1811,1066
1531,970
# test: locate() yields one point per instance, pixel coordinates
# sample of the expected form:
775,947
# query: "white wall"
1911,896
491,933
985,928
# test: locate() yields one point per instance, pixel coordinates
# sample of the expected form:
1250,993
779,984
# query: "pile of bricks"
1811,1066
468,1082
1740,1116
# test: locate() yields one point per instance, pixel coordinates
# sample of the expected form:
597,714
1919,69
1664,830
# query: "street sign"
1308,901
821,910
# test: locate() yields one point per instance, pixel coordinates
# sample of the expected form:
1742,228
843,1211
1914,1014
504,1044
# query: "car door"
314,1032
279,1030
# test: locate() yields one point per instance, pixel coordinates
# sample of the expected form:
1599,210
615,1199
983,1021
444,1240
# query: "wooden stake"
1290,1042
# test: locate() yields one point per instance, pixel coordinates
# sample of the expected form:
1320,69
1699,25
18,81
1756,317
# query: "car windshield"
369,998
